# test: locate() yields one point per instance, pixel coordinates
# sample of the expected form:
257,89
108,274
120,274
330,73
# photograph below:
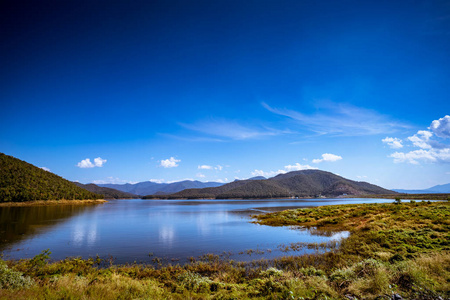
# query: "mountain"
437,189
152,188
257,178
107,193
306,183
21,181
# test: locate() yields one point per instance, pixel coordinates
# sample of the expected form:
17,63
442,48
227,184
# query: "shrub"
272,272
10,279
194,282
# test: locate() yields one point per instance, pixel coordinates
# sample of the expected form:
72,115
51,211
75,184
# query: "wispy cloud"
208,167
433,144
45,169
170,162
327,157
157,180
288,168
232,129
86,163
205,167
340,119
112,180
170,181
394,143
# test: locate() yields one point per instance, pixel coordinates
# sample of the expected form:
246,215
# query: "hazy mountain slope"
151,188
306,183
107,193
442,188
21,181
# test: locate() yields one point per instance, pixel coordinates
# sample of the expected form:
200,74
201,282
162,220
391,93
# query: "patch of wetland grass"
402,249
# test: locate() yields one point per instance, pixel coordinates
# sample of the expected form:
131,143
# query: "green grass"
401,248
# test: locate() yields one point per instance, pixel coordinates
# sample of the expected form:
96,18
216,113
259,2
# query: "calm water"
130,230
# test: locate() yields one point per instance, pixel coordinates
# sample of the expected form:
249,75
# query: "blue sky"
129,91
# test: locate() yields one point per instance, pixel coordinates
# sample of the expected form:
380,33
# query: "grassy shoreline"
54,202
393,249
443,196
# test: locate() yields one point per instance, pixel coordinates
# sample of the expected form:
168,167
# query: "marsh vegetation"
393,249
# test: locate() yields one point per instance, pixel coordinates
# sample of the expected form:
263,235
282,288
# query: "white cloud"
266,174
394,143
157,180
222,180
361,177
327,157
205,167
170,162
200,175
441,127
413,157
85,163
298,167
99,162
113,180
431,151
341,119
288,168
421,139
45,169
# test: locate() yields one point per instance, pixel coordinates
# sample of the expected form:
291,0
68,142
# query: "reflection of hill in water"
18,223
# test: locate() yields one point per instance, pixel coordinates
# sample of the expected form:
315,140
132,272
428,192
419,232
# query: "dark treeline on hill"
302,184
107,193
21,181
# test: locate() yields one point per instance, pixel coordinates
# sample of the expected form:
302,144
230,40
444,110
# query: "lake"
141,230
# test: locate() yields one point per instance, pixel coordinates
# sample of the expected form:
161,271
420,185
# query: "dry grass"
400,249
54,202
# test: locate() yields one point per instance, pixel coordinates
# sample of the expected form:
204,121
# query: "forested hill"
306,183
21,181
107,193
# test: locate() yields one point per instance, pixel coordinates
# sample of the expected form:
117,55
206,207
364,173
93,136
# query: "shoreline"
53,202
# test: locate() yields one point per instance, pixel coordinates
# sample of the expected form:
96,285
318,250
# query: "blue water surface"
141,230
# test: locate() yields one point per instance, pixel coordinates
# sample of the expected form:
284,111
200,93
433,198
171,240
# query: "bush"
194,282
10,279
272,272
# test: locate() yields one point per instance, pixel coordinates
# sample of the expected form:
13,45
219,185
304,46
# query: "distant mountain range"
107,193
153,188
437,189
306,183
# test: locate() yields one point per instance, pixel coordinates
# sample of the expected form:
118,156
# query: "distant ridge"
21,181
150,188
107,193
437,189
306,183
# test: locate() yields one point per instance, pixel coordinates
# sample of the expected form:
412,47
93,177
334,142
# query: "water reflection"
166,235
18,223
129,230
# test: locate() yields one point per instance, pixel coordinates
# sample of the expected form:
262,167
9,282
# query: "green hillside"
21,181
306,183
